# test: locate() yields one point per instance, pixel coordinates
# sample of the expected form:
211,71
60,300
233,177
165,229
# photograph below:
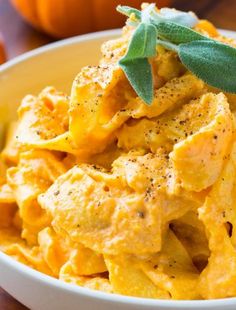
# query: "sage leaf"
127,11
139,74
168,45
151,15
142,44
177,33
174,16
147,13
188,19
135,62
211,61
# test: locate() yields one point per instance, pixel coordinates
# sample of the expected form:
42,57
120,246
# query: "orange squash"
64,18
2,51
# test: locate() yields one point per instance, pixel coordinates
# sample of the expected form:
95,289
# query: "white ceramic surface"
57,64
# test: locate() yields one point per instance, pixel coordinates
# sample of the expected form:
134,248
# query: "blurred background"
27,24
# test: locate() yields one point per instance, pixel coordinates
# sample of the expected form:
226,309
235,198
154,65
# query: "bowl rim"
60,43
47,280
35,275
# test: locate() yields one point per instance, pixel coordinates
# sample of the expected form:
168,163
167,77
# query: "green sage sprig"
212,61
141,47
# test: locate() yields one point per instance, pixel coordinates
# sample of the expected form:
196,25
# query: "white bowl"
57,64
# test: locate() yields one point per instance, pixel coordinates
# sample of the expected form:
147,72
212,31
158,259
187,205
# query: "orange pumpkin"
2,51
64,18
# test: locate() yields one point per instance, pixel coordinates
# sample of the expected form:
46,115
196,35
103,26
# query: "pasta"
100,190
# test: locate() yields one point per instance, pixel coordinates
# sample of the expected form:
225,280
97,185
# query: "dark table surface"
19,38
